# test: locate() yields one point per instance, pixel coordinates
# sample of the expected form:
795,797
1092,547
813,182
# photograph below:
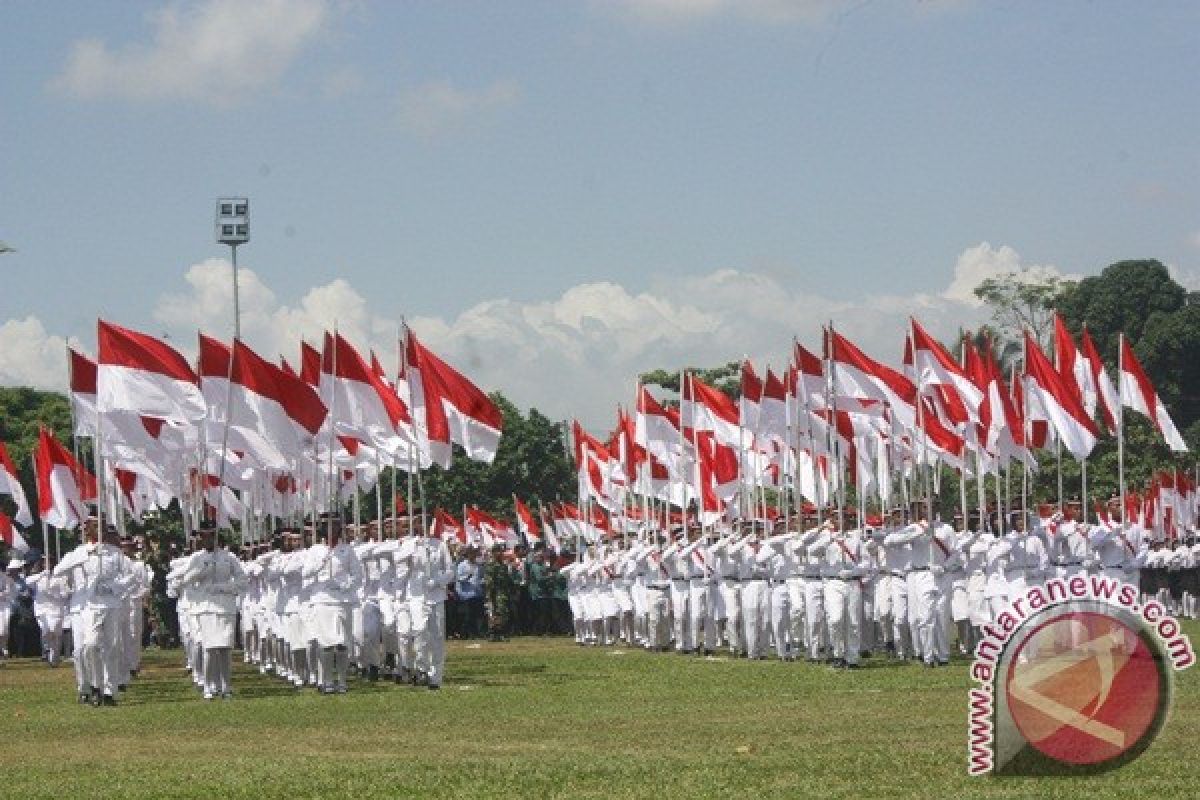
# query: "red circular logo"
1084,688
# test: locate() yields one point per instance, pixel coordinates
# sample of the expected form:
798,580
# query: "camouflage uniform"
498,590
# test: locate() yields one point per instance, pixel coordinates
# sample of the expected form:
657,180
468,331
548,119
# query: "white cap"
16,563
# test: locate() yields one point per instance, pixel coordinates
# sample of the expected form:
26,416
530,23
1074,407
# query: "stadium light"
233,228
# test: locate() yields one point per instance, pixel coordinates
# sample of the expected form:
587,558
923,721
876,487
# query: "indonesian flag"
1058,403
525,522
11,486
488,528
934,366
146,376
449,408
1138,393
447,527
656,429
60,496
310,364
1003,425
595,468
551,537
749,404
707,409
1072,366
360,402
83,393
810,382
282,407
10,536
857,375
1105,392
568,520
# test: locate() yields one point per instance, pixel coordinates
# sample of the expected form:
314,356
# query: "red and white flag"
283,408
859,376
11,486
83,392
143,375
1105,393
447,527
705,408
525,522
1073,367
59,477
485,527
360,402
935,366
448,408
656,430
1057,402
1138,393
10,536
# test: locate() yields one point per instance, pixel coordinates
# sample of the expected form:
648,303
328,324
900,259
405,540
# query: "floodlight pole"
237,311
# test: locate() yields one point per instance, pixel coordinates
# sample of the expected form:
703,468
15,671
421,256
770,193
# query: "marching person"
843,559
431,571
49,606
100,576
217,578
336,575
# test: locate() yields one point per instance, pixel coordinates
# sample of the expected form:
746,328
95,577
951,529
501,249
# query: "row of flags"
844,413
239,436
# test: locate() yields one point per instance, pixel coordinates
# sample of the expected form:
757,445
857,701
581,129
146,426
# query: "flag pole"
1121,424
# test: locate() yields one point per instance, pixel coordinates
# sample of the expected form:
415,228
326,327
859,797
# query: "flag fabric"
446,526
859,376
705,408
1058,403
59,477
141,374
935,366
82,392
1072,366
360,402
1138,393
1106,394
10,485
526,525
449,408
11,537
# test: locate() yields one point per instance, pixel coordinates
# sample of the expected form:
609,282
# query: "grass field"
542,718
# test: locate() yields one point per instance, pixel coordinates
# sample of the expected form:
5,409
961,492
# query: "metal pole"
237,311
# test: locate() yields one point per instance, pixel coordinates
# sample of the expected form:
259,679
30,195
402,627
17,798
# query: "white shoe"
208,695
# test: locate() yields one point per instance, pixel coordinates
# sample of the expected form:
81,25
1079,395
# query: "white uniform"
843,566
337,576
432,570
218,580
50,607
103,577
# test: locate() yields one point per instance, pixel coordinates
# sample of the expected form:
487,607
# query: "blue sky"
560,194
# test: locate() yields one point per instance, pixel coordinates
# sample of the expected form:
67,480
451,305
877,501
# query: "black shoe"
373,674
122,687
85,698
852,666
108,700
96,698
433,687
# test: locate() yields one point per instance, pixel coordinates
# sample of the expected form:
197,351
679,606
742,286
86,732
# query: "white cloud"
29,356
215,51
577,354
977,264
437,107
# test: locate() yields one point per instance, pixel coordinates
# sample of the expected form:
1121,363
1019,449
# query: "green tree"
726,378
1022,301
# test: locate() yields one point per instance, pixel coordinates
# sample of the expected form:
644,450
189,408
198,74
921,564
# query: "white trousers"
756,616
843,605
429,637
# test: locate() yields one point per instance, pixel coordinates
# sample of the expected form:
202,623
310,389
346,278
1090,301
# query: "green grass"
542,718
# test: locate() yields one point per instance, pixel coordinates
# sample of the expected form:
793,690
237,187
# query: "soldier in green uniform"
498,589
541,590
